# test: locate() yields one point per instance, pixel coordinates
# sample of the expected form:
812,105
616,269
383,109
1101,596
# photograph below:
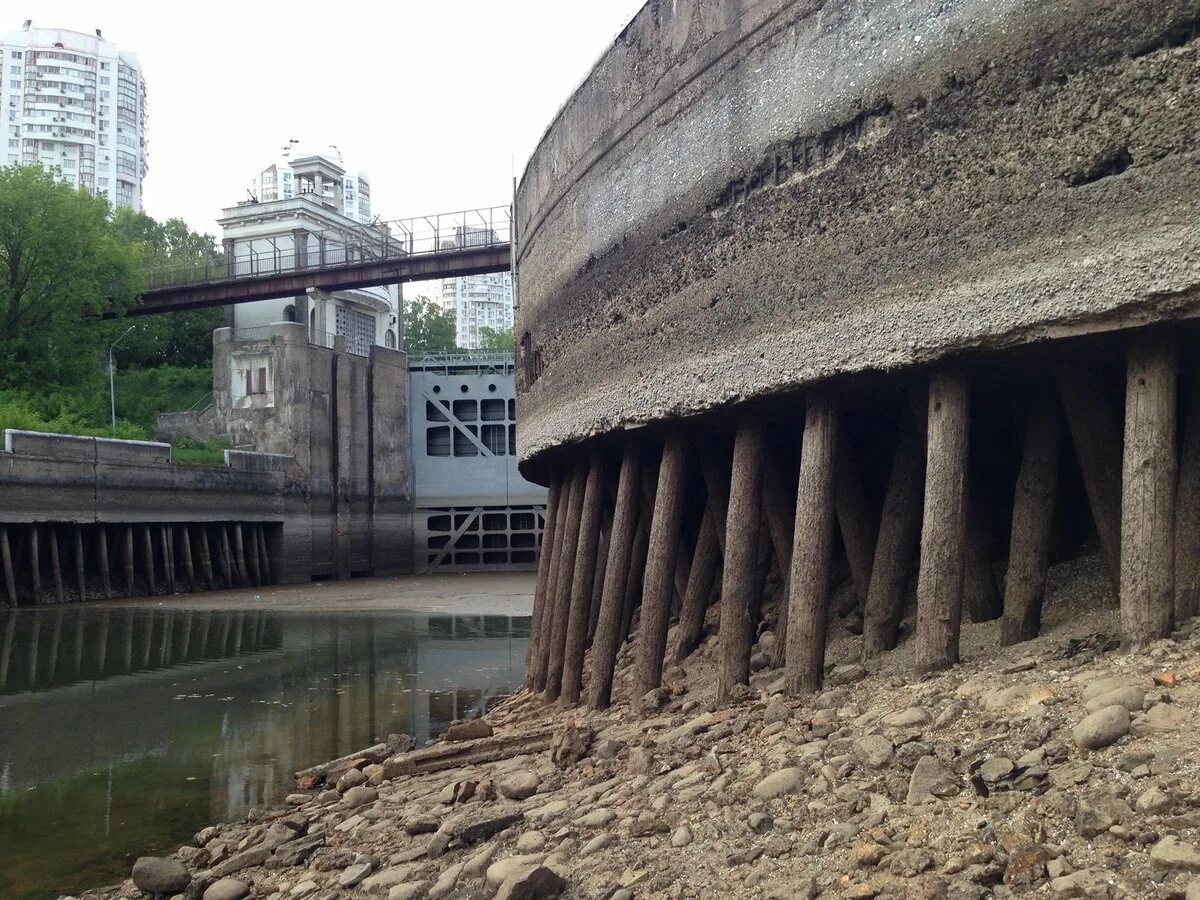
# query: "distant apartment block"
76,105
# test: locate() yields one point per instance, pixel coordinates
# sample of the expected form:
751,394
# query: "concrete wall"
747,197
343,419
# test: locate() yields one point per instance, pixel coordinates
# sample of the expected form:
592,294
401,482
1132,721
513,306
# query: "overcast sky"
439,102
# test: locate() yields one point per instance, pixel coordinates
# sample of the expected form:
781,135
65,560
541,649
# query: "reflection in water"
124,730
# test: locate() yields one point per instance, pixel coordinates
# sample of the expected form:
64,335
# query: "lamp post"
112,390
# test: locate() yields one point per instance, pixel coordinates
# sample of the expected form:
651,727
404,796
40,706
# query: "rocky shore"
1061,767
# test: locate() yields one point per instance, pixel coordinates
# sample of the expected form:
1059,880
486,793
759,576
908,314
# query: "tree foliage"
60,257
427,327
179,339
497,339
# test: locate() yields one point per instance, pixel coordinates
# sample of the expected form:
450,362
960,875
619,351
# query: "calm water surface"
124,730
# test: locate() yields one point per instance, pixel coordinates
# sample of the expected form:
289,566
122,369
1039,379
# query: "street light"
112,390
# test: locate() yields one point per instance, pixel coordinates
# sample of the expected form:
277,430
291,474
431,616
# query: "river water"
124,729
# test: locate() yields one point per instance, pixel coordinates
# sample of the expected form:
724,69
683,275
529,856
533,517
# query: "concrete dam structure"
888,294
343,465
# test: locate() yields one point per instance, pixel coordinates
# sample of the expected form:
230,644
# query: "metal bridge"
447,245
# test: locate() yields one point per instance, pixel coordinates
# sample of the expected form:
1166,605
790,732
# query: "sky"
441,103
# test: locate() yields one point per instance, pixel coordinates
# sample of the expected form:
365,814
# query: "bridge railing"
348,246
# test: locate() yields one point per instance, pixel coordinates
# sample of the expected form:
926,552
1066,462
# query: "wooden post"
812,547
740,582
252,557
635,583
717,466
206,558
552,551
780,509
56,565
856,521
1097,438
189,567
10,581
981,594
1032,518
148,548
264,553
103,560
703,575
581,583
243,574
566,576
617,573
601,567
545,561
35,562
227,564
943,531
1148,492
127,560
80,577
164,540
660,567
899,535
1187,506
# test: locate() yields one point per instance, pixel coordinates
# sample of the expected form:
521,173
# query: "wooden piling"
227,567
545,560
740,582
981,595
56,565
1148,492
239,547
661,557
1187,505
1032,518
581,583
1096,436
856,520
103,561
899,536
552,556
566,576
189,567
80,568
264,554
635,583
943,531
252,556
164,540
10,581
780,509
35,563
148,549
705,562
812,547
127,560
618,571
601,568
206,558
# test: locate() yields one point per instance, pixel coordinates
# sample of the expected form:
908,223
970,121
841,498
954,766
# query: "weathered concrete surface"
746,197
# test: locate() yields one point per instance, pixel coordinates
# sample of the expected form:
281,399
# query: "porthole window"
463,388
492,388
437,388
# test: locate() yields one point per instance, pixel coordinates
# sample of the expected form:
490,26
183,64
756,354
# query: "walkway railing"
349,246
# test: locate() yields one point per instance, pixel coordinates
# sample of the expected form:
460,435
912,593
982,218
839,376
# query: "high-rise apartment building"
76,105
277,182
478,301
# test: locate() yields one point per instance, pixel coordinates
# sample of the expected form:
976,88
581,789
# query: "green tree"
60,258
427,327
497,339
178,339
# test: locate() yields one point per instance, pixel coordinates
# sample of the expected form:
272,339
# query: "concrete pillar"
389,469
300,247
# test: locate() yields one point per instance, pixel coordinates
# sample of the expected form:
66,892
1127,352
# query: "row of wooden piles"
629,534
56,562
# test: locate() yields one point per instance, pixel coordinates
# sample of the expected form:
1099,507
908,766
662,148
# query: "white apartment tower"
278,182
76,105
478,301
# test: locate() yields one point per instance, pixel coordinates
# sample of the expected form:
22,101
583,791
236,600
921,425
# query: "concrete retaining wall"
747,197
